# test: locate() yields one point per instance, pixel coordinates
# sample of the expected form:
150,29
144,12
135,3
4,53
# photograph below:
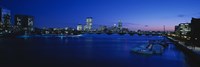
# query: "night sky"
135,14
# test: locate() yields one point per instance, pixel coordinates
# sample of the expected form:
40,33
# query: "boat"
145,51
142,49
157,49
149,49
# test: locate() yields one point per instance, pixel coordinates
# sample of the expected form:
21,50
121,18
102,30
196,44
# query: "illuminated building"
79,27
5,20
120,24
176,28
24,23
182,29
1,27
115,25
88,26
102,28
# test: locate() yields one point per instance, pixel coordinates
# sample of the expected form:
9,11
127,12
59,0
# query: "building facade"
24,23
182,29
88,26
176,28
195,32
102,28
1,27
79,27
5,21
120,24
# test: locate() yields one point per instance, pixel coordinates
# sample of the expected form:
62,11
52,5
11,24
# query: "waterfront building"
79,27
182,29
120,24
115,25
125,30
114,28
176,28
195,32
5,20
85,28
102,28
1,27
88,26
139,31
24,23
66,28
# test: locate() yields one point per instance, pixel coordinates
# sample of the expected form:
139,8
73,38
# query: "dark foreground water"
87,50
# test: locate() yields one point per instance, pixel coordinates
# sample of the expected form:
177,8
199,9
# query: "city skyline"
100,33
144,14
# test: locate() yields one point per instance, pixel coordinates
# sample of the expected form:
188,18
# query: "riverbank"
88,50
192,53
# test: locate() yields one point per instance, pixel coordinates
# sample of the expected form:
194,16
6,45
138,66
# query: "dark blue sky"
135,14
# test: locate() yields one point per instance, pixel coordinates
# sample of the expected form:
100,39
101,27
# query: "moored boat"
151,48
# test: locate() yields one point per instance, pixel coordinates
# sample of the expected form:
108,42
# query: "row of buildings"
102,29
22,23
189,31
87,28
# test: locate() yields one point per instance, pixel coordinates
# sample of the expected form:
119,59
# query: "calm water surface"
87,50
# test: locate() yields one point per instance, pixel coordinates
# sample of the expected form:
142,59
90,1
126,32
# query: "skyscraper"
1,27
79,27
5,20
195,32
88,26
24,22
120,24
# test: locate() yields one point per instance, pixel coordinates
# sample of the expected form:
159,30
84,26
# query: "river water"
86,50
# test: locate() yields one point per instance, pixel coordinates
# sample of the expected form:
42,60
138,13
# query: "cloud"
196,14
131,24
181,15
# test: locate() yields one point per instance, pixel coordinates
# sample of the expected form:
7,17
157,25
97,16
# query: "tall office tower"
5,20
195,32
88,24
79,27
1,27
1,24
120,24
85,28
114,25
24,22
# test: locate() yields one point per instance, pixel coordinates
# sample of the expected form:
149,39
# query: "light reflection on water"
92,50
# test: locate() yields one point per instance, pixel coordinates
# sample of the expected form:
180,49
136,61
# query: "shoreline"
192,57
